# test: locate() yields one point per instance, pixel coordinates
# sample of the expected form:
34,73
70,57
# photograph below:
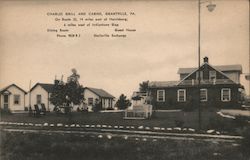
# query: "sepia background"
166,39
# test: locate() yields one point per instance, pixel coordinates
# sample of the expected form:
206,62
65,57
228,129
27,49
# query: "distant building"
219,87
12,97
94,95
40,93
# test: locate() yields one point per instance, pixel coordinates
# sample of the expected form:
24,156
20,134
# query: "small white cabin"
40,93
92,95
12,97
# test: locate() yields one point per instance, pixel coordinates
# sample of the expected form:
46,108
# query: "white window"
161,95
201,75
225,94
212,75
16,99
38,99
181,95
203,95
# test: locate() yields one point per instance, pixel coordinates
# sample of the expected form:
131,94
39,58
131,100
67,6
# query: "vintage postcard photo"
124,79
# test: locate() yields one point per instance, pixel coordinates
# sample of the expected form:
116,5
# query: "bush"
123,102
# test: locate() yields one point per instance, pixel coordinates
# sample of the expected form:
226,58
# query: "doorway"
5,101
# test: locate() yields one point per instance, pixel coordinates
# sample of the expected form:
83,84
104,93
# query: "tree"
123,102
57,97
73,89
74,92
143,86
67,93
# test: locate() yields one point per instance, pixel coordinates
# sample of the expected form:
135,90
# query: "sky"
166,39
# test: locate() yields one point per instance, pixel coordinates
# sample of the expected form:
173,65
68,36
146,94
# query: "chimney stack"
205,59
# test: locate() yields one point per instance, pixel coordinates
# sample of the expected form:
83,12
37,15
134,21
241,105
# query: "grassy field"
19,146
159,119
210,120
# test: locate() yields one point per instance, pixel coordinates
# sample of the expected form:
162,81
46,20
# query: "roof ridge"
97,91
13,84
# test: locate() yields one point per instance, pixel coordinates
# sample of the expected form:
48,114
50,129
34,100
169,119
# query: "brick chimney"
205,59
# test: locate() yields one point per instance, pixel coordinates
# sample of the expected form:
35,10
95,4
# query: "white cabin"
40,93
12,97
92,95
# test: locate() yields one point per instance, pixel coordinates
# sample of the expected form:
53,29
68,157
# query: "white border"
158,91
178,95
222,91
203,89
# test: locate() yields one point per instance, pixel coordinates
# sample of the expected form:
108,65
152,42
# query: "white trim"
222,92
197,75
221,73
163,94
203,89
178,95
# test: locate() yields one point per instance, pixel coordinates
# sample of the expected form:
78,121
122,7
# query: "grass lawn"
210,120
19,146
159,119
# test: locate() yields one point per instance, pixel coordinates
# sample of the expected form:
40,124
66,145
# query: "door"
6,101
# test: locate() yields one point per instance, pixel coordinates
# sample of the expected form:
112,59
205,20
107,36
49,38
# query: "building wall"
213,92
182,76
106,102
38,90
89,94
12,106
51,106
235,76
206,68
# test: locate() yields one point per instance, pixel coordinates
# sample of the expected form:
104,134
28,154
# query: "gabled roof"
6,88
100,92
195,70
46,86
222,68
160,84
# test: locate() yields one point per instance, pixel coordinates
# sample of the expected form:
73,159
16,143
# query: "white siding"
15,91
38,90
89,94
105,101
